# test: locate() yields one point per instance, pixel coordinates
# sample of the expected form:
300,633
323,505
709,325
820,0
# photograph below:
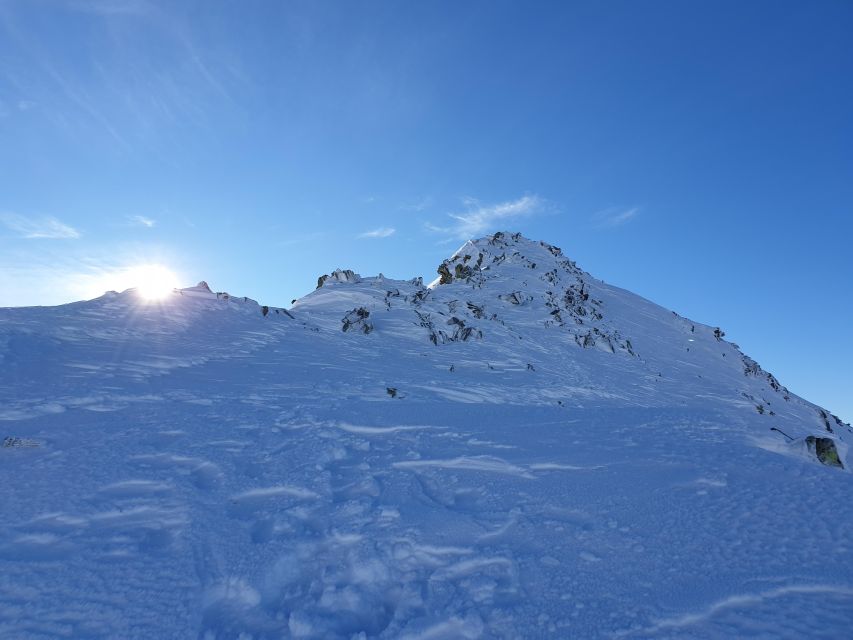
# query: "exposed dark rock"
824,449
477,311
462,271
357,320
444,272
516,297
825,418
461,331
338,275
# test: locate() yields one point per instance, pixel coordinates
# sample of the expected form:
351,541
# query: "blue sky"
700,154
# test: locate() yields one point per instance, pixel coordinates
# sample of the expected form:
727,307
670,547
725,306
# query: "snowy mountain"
515,450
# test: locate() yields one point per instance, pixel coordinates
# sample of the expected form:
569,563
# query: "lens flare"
152,281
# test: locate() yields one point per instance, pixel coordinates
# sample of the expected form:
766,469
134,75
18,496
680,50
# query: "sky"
699,154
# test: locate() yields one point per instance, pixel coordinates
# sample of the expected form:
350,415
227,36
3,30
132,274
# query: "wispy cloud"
481,218
614,217
381,232
36,228
115,87
142,221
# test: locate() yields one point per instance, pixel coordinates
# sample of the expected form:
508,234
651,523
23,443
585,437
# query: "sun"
152,281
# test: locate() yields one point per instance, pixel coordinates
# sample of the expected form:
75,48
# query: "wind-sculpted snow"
559,458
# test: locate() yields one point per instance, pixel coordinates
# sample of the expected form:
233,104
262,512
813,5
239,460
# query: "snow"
197,468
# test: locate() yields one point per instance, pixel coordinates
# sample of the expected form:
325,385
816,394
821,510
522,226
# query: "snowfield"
517,450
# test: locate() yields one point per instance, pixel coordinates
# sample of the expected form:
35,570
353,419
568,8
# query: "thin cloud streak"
381,232
38,228
143,221
480,218
116,89
614,217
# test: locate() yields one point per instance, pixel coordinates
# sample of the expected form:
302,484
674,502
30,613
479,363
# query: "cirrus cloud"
614,217
45,227
482,218
143,221
381,232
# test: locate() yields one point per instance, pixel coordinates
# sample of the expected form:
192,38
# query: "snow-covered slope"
515,450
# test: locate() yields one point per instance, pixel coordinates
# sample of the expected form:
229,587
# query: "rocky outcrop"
338,275
825,451
752,368
357,320
516,297
458,330
566,294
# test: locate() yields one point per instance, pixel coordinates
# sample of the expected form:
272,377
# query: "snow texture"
560,458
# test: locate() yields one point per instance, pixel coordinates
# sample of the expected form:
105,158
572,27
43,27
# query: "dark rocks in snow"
464,268
462,272
516,297
338,275
357,320
418,297
719,333
825,450
477,311
825,418
555,251
586,340
265,310
393,293
391,391
461,332
752,368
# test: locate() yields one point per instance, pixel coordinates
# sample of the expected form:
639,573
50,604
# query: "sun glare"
152,281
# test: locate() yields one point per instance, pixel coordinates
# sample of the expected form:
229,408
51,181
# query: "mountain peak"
478,260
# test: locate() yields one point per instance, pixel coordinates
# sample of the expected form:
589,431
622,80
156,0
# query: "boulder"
825,451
